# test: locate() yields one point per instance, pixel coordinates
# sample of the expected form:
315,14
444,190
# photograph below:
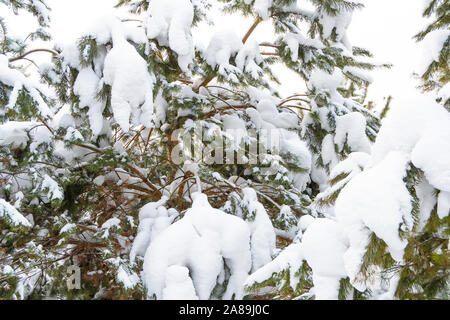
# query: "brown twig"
33,51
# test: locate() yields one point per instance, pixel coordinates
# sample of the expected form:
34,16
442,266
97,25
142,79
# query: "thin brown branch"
33,51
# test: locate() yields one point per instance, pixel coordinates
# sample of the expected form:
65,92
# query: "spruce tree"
435,74
385,234
134,160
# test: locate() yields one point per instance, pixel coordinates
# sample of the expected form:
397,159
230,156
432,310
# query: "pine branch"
33,51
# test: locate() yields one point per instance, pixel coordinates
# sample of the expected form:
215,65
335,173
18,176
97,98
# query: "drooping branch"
33,51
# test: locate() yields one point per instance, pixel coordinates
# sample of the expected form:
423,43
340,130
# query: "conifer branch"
33,51
258,20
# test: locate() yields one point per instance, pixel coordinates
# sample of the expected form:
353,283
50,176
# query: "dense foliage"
118,161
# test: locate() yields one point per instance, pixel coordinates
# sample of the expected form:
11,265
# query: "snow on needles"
132,85
201,241
11,215
261,7
421,128
169,22
18,81
86,87
262,231
122,68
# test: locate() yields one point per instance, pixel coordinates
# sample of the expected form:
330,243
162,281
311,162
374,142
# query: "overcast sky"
385,27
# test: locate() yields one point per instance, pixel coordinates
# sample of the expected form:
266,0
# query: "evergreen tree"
164,170
386,226
435,74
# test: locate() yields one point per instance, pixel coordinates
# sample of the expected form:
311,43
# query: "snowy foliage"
169,169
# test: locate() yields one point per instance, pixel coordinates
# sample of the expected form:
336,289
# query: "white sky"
385,27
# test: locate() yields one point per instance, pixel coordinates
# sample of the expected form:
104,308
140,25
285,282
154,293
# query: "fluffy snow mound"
379,200
262,232
15,133
223,45
169,22
324,245
432,46
261,7
179,285
202,241
86,87
132,85
15,78
351,128
153,219
339,23
421,128
249,58
290,258
11,215
322,80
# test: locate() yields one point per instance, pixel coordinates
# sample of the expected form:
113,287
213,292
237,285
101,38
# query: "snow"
432,153
42,10
272,118
328,153
351,128
379,200
55,192
304,222
128,280
124,70
169,22
67,228
427,202
363,75
290,258
202,241
86,87
102,30
249,58
73,134
294,40
261,7
419,127
292,144
12,216
178,284
262,232
324,245
432,46
274,123
235,129
161,107
14,78
353,165
443,202
14,133
340,23
444,92
153,219
223,45
108,224
322,80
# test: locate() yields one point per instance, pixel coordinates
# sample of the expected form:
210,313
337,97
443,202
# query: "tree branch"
33,51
